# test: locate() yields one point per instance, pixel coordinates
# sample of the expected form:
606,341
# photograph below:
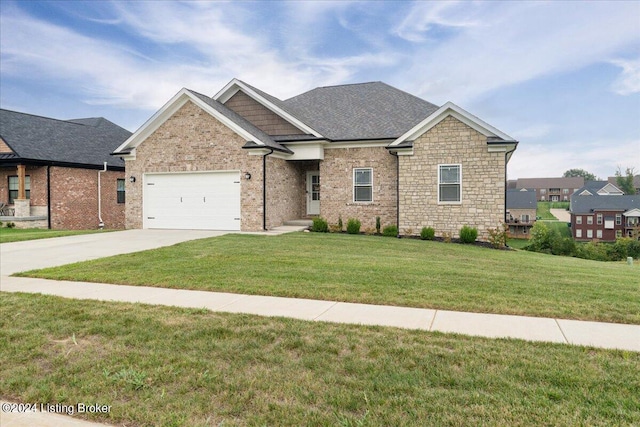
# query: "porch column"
22,193
22,205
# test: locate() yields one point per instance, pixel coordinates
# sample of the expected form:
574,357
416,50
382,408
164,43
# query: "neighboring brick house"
636,182
521,212
599,211
245,160
550,189
50,170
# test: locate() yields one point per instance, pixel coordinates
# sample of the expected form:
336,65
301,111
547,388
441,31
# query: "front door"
313,193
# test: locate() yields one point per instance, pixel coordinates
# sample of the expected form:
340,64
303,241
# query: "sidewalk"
596,334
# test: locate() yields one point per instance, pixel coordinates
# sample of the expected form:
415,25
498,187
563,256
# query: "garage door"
195,201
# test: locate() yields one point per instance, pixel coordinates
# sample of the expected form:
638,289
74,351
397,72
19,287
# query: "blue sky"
563,78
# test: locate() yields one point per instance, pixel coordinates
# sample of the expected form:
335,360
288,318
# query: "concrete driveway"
33,254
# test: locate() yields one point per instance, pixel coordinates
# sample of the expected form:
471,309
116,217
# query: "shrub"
320,225
446,236
625,247
353,226
498,236
427,233
390,231
340,222
11,224
468,234
378,224
592,250
370,231
541,238
565,246
333,228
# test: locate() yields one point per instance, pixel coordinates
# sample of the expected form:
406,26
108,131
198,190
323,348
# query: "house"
59,174
636,182
246,160
601,211
550,189
521,212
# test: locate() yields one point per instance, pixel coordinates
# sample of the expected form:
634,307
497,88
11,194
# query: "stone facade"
483,181
336,186
192,140
74,203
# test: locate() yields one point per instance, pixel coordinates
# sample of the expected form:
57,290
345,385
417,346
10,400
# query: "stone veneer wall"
286,186
336,186
483,181
193,140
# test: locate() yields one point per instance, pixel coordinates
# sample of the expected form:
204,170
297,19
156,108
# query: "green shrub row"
549,241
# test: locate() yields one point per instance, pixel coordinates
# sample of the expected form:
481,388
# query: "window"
13,188
599,219
599,234
589,219
363,185
589,234
120,190
565,191
579,219
449,183
578,233
543,191
618,219
524,218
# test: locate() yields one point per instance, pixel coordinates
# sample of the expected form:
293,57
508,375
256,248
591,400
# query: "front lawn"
17,235
165,366
379,270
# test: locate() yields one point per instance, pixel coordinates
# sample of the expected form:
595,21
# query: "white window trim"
459,202
579,233
579,219
598,234
354,186
589,234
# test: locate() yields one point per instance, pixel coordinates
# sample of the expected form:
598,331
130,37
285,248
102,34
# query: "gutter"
100,223
264,189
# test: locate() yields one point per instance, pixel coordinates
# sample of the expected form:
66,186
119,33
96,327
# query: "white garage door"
195,201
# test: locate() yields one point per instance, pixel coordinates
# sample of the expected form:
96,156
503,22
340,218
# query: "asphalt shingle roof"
359,111
87,141
587,204
517,199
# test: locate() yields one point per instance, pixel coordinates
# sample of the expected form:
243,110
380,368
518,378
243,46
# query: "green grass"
543,211
17,235
378,270
164,366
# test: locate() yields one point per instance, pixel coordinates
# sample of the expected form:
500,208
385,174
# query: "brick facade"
74,197
483,181
192,140
286,189
336,183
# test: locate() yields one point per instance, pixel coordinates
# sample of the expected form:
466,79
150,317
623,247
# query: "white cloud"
426,17
601,158
629,80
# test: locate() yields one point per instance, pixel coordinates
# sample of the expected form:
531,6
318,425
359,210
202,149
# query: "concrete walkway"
562,214
21,256
597,334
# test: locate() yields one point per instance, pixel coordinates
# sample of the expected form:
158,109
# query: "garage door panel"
192,201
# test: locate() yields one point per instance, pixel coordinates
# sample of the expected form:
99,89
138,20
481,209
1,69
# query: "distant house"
59,174
549,189
246,160
521,212
636,182
600,211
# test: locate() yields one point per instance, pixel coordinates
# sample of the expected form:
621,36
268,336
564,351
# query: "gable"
260,116
4,148
610,190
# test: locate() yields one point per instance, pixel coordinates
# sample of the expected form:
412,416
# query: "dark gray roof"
588,204
242,122
569,183
86,142
359,111
518,199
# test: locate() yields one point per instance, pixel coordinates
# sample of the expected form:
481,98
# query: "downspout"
264,189
49,197
397,192
101,223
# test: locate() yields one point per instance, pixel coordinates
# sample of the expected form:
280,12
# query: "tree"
588,176
625,181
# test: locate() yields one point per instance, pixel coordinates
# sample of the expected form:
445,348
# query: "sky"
563,78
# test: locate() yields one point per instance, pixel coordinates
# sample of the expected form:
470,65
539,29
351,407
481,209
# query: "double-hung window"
449,183
363,185
120,190
13,188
